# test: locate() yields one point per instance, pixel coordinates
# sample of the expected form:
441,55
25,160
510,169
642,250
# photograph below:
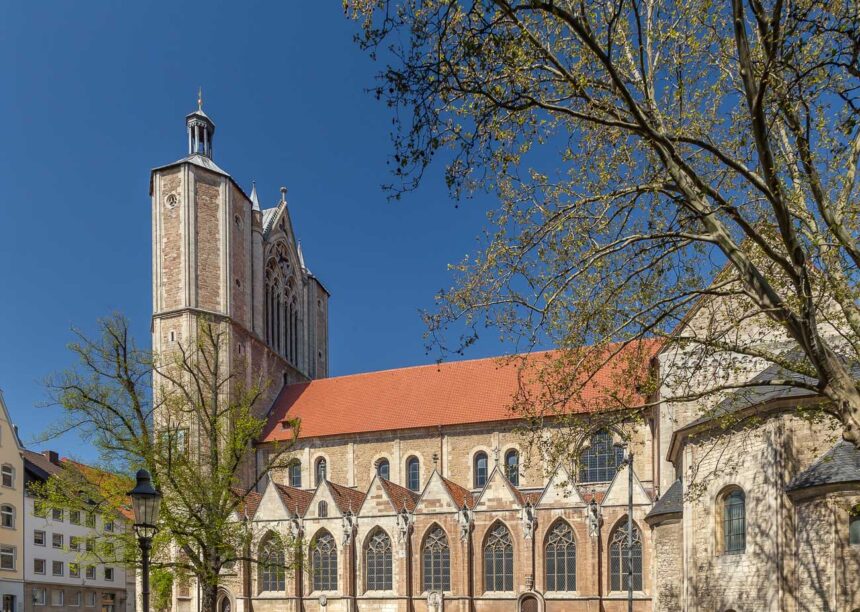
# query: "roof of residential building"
453,393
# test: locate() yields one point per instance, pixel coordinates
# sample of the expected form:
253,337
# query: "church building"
414,489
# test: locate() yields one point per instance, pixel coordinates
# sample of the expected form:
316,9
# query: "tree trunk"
208,597
842,389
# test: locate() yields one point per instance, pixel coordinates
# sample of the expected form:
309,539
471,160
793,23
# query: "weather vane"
200,98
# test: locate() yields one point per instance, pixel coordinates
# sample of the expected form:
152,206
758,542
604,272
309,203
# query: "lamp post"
146,502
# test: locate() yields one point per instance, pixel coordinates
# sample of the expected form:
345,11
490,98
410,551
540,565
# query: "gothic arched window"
560,558
733,506
480,469
378,562
383,468
499,560
320,471
413,474
601,460
324,563
296,474
619,559
436,558
272,569
512,467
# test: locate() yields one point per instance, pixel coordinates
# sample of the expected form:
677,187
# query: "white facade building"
58,573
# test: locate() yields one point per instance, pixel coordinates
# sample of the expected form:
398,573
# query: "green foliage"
185,418
161,588
650,159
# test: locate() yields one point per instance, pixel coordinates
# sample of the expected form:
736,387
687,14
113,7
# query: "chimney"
52,456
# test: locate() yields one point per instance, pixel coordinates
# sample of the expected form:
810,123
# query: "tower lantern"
200,130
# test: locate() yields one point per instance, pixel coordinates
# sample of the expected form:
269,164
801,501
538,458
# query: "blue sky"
94,95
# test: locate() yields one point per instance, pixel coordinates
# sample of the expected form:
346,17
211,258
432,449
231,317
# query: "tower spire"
201,129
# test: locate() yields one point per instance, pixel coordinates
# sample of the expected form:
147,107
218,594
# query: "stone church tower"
217,254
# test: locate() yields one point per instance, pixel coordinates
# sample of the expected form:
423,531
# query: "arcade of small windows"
512,467
383,468
320,471
600,461
619,558
271,563
296,474
436,560
324,563
499,560
281,312
413,474
378,562
480,470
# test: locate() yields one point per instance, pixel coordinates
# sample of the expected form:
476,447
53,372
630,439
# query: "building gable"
560,490
271,506
436,496
376,500
618,494
498,494
323,494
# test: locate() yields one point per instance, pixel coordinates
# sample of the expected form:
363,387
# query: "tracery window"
499,560
601,460
512,467
619,560
378,562
560,558
734,521
324,563
436,557
383,468
413,474
480,469
271,563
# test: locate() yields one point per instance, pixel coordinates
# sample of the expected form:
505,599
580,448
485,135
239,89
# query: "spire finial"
200,98
283,194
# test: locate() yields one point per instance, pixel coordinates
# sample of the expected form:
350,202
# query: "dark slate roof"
841,464
671,502
758,394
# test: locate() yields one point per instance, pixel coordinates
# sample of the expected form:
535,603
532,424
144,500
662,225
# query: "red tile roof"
296,500
453,393
401,497
460,495
347,499
248,503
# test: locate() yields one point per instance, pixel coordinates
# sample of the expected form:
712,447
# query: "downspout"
470,570
300,573
410,605
353,573
600,567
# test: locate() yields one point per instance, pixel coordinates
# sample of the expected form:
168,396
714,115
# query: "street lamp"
146,502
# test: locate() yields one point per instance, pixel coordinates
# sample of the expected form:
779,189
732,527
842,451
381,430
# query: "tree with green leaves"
187,419
649,157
